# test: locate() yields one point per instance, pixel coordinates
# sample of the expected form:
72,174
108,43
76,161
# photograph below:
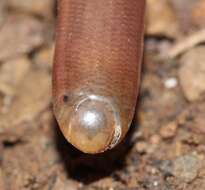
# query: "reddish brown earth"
165,147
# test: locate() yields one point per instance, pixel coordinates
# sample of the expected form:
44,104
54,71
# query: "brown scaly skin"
97,70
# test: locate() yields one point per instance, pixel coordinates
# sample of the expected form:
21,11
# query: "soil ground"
165,147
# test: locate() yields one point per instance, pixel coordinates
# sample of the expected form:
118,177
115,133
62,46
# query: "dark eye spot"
65,98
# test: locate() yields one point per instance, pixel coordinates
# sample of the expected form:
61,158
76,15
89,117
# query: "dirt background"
165,147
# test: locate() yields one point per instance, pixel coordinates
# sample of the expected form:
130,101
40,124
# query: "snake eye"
65,98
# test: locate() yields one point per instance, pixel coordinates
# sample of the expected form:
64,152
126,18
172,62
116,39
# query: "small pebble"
141,147
20,35
165,166
167,23
41,8
155,139
3,11
12,72
169,130
185,168
192,73
44,58
170,83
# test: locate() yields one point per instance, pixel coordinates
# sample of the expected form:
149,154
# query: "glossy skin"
97,70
